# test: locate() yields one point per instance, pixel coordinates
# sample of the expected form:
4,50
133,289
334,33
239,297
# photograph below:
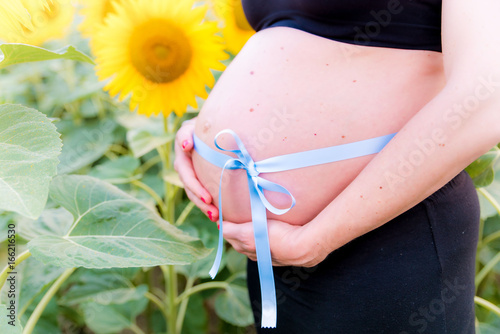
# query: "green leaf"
6,218
9,325
22,53
103,286
233,306
199,226
144,134
85,144
487,209
172,177
196,319
111,229
113,317
120,170
29,147
481,171
143,141
236,262
48,322
51,222
35,277
484,328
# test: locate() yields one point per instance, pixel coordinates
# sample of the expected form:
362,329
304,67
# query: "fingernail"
203,200
209,213
218,226
184,144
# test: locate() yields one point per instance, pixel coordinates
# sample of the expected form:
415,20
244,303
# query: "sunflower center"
239,16
160,51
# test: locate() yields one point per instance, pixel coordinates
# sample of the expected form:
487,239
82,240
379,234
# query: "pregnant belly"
289,91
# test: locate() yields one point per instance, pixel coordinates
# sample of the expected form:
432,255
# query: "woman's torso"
289,91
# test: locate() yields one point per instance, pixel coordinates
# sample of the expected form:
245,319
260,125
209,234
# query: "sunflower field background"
96,235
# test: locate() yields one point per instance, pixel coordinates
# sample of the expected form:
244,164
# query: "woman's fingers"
209,209
184,137
183,164
240,236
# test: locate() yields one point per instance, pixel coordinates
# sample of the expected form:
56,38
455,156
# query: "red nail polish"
209,213
218,226
203,200
184,144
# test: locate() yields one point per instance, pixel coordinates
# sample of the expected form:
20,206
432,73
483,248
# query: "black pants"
414,274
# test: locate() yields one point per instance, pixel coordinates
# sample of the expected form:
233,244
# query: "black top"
402,24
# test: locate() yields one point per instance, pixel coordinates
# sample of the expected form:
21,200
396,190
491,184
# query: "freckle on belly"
206,127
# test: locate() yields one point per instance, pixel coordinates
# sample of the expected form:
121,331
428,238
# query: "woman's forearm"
455,128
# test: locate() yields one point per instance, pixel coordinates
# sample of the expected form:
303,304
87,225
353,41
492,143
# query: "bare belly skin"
289,91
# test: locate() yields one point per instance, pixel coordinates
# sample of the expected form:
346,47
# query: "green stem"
184,214
110,155
30,325
481,232
155,300
491,237
183,306
150,163
159,292
152,193
164,163
136,329
480,244
118,149
171,288
487,305
486,269
490,199
5,272
201,287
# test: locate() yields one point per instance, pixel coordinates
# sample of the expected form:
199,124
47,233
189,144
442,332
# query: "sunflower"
94,13
159,52
236,28
41,21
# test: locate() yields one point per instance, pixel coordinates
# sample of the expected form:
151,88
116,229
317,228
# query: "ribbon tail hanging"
264,262
215,267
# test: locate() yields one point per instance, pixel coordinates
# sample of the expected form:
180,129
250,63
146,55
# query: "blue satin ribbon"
259,202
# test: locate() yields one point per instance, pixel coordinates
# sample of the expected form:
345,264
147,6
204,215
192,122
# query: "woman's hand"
183,164
291,245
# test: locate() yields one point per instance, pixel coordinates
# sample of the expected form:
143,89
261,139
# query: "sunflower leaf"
84,144
144,141
35,278
233,305
103,286
23,53
9,325
111,229
116,316
481,171
29,147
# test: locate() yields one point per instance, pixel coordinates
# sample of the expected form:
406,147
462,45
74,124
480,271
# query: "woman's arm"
460,124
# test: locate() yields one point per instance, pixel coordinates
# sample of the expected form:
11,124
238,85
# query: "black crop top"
402,24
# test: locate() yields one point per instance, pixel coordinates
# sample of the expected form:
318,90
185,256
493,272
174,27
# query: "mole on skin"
206,127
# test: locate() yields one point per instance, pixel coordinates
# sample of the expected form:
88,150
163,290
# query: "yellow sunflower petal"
34,21
236,29
158,51
95,13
